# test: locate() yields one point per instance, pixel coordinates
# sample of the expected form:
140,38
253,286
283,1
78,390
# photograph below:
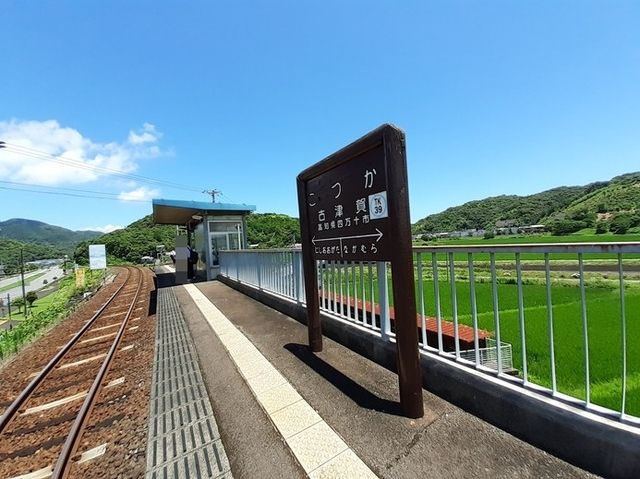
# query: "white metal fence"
566,316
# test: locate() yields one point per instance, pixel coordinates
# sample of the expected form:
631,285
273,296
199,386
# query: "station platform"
275,409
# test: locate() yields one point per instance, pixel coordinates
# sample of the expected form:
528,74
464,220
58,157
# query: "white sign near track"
97,256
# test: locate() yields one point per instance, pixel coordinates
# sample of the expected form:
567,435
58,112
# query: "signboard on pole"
348,211
80,278
97,256
354,206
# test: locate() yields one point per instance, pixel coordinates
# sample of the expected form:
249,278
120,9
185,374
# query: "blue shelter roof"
179,212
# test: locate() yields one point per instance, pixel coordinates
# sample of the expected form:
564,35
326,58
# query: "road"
12,279
35,285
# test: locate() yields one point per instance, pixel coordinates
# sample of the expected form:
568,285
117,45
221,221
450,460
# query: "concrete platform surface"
354,396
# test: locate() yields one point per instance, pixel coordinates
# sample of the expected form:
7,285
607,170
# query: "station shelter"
204,228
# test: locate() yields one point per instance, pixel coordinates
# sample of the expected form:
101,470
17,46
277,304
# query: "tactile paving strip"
184,440
317,447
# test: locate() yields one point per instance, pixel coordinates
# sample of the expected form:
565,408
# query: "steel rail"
26,393
63,464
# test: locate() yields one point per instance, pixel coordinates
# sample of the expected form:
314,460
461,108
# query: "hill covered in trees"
140,238
612,206
10,253
607,206
272,230
37,232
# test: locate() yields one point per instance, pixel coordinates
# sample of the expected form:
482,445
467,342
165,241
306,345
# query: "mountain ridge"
39,232
612,205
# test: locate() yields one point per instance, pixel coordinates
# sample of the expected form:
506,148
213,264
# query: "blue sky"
495,97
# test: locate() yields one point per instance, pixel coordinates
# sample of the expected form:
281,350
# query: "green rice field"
604,334
534,239
604,327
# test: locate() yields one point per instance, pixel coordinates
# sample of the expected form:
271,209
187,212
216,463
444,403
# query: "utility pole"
213,194
24,295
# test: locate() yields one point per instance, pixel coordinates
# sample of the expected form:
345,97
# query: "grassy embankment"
46,311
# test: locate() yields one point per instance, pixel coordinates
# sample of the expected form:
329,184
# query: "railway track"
42,428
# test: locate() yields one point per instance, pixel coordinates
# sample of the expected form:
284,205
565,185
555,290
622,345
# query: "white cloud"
80,154
103,229
139,194
148,134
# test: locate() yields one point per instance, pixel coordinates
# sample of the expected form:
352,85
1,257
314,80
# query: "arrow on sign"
377,235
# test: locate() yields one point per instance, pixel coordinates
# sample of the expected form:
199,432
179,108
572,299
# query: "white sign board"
97,256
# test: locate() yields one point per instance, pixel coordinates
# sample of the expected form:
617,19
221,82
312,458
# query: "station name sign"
354,206
347,207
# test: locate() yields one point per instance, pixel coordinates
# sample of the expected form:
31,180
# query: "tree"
138,239
271,230
10,254
565,227
620,224
584,216
601,228
31,297
19,303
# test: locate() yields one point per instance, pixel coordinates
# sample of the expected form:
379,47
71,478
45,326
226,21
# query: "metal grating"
184,440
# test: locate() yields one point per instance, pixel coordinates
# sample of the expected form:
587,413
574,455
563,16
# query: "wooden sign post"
354,206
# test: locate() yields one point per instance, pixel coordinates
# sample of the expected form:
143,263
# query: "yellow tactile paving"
317,447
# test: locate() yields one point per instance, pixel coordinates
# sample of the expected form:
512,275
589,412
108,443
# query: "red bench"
465,333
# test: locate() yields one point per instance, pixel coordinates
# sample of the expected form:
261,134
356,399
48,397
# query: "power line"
230,200
60,188
60,193
43,155
37,154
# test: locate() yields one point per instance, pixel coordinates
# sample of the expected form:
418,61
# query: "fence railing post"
280,272
237,258
383,299
297,275
259,263
224,261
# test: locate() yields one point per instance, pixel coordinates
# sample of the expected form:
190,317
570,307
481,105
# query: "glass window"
224,235
233,241
224,226
219,241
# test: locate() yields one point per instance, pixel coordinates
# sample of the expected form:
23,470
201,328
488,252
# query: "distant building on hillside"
519,230
533,229
505,227
468,233
506,223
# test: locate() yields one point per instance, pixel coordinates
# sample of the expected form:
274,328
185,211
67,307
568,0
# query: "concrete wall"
582,438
